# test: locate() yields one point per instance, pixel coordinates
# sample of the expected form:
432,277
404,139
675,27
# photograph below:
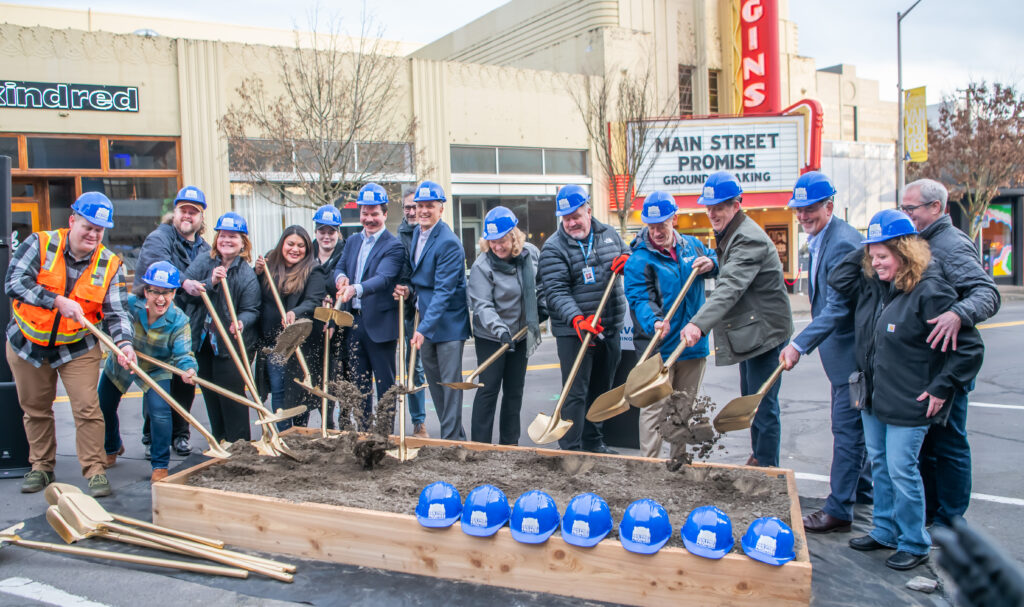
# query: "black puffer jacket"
165,244
560,273
958,261
245,294
891,343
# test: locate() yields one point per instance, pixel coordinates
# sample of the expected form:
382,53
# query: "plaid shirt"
168,338
22,283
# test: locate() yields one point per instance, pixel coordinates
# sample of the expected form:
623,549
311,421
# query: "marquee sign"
16,94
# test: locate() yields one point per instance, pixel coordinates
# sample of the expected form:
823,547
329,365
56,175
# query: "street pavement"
995,422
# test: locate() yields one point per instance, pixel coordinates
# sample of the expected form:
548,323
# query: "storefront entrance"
536,216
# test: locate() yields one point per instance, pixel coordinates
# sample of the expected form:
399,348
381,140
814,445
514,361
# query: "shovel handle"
109,343
199,381
280,308
242,352
497,354
771,379
671,312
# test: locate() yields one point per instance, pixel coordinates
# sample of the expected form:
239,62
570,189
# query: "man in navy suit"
831,330
366,273
438,282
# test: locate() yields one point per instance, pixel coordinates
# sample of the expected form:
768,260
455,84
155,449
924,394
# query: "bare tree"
977,147
336,124
617,109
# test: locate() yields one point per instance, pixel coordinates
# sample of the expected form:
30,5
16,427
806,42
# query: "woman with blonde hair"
902,385
301,283
504,297
229,258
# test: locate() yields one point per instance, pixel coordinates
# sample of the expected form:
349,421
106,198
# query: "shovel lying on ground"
403,453
739,412
215,449
469,384
10,536
614,401
546,429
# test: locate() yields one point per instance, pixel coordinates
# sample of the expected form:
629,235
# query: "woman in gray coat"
503,294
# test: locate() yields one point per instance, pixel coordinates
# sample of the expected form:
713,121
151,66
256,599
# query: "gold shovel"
215,449
403,453
469,384
546,429
739,412
408,387
10,536
659,387
334,315
614,401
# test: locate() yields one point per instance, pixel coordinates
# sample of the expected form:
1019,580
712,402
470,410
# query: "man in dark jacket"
575,265
748,310
946,454
179,242
831,329
418,400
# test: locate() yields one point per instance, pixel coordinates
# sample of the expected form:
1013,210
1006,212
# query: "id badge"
588,276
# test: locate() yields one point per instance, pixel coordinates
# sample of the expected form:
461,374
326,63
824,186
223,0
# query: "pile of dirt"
331,473
687,425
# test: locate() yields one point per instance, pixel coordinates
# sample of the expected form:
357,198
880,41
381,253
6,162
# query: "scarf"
523,265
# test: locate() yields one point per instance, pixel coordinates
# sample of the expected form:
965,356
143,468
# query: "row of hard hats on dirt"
644,529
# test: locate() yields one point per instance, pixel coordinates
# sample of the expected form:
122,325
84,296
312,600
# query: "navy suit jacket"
439,280
379,310
831,329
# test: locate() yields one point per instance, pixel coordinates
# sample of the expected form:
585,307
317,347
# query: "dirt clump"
290,338
688,426
336,472
350,403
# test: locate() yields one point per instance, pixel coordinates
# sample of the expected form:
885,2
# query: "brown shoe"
112,457
159,474
823,522
420,430
752,461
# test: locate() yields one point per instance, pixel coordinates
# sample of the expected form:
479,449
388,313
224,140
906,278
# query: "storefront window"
997,240
139,206
63,153
565,162
9,147
520,161
473,160
142,155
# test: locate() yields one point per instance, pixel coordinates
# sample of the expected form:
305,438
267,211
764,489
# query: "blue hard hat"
812,187
721,186
570,198
659,206
232,222
769,540
192,195
440,505
485,511
534,517
587,520
96,208
645,527
707,532
372,193
888,224
429,191
162,274
498,222
327,215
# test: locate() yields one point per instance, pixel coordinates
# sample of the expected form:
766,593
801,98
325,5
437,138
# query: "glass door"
28,208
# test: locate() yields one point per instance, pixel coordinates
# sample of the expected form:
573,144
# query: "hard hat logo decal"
491,228
706,538
478,518
424,192
874,230
641,535
563,204
800,194
709,192
654,212
580,528
436,511
765,544
191,194
160,276
531,525
228,222
103,214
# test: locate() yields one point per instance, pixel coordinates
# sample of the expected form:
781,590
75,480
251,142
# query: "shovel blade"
338,317
61,526
459,385
650,393
543,429
312,390
608,405
643,374
282,414
412,390
738,414
217,453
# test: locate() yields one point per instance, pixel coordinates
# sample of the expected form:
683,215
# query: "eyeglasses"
813,208
910,208
157,293
410,207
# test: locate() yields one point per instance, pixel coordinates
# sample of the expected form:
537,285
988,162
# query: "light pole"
901,152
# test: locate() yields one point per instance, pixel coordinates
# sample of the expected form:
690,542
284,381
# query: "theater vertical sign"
759,62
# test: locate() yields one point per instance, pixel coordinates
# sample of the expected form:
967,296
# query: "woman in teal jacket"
661,262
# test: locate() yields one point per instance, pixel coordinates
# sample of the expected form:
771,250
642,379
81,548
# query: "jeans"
278,377
508,376
183,394
418,401
899,492
596,372
159,420
946,464
766,429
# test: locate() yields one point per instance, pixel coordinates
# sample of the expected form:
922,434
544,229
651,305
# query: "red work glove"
619,263
587,324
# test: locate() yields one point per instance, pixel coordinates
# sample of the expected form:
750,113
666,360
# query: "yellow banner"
915,125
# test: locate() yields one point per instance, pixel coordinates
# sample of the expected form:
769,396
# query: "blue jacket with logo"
653,281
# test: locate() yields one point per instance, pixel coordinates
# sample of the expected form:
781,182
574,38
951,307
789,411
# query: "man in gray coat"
748,310
831,331
946,455
575,265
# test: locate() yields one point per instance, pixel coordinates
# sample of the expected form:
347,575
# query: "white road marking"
44,593
984,497
995,406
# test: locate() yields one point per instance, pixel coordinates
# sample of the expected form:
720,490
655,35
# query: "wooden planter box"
384,540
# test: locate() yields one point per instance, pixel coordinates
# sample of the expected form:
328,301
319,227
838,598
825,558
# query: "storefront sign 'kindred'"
764,153
759,66
60,96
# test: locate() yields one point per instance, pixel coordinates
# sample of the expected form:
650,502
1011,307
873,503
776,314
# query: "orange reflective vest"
40,325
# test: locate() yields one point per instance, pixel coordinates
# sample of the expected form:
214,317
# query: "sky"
946,43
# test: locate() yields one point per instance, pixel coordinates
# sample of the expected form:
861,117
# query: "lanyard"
590,246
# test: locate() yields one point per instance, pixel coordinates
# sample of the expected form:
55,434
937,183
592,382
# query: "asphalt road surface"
995,422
